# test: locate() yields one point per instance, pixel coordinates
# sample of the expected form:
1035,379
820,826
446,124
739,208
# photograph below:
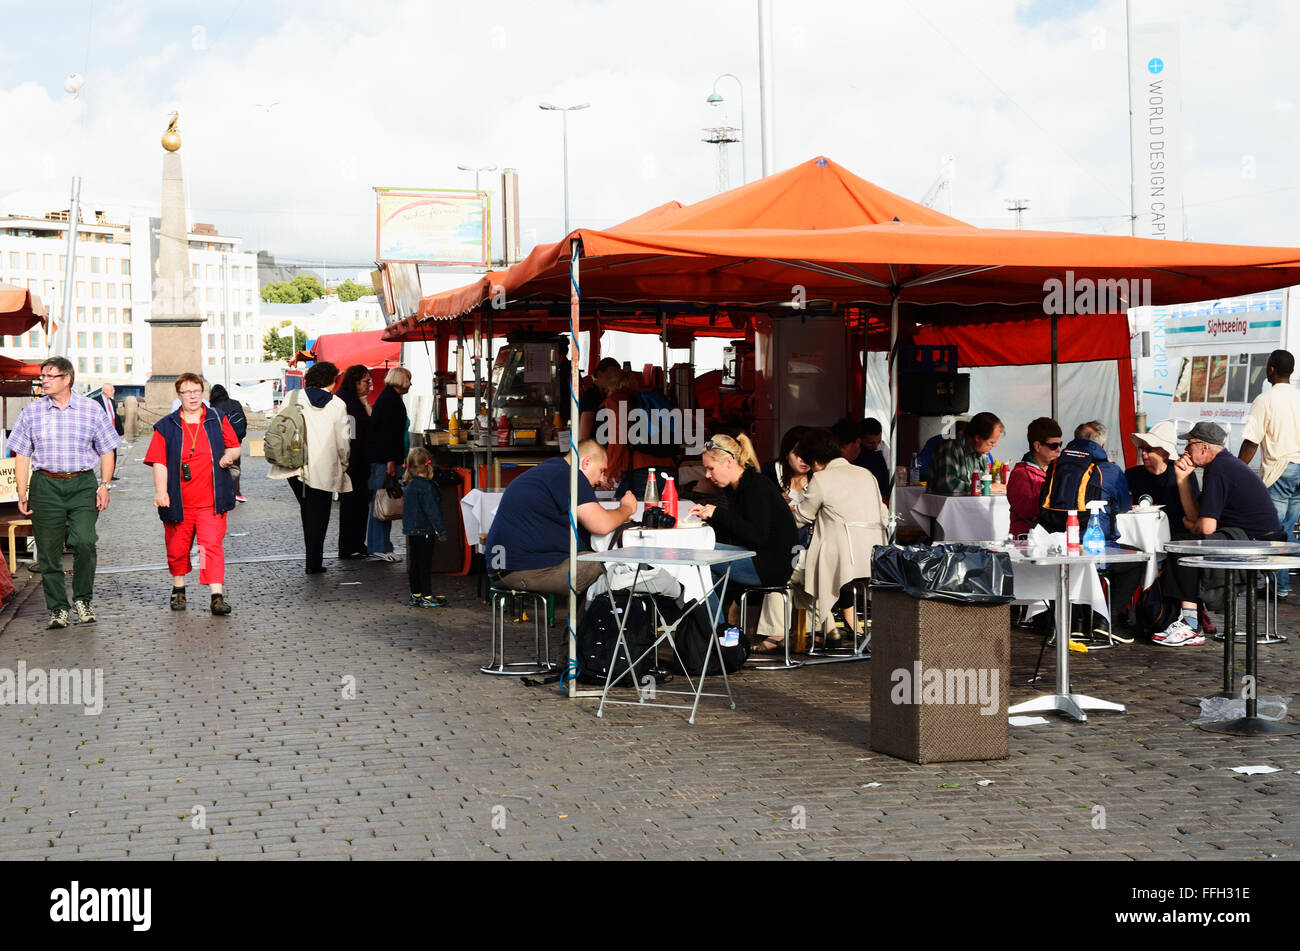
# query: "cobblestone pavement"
242,722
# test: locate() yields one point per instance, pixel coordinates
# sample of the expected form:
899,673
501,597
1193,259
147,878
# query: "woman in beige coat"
848,515
326,471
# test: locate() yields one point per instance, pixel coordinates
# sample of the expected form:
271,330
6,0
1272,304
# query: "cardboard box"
257,448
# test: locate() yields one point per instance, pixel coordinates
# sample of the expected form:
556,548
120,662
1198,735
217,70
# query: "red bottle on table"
1072,534
503,431
669,503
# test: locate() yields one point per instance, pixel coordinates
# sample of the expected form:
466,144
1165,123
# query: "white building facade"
109,340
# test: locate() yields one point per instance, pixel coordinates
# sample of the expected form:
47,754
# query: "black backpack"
692,639
598,633
1073,480
659,431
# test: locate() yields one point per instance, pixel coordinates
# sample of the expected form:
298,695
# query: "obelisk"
174,322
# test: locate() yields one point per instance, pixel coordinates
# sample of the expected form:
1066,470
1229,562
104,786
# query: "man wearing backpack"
1083,473
642,417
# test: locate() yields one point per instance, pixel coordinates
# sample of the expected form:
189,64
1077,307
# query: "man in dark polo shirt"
528,544
1232,497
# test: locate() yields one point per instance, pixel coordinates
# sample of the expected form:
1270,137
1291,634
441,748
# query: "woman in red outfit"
193,495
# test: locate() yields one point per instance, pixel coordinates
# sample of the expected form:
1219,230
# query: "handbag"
388,501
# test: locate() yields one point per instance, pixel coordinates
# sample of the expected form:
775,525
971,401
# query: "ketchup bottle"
669,503
1072,533
503,431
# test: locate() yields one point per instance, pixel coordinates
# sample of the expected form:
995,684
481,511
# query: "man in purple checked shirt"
57,443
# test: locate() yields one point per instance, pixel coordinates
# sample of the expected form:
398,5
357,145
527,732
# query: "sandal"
768,646
178,599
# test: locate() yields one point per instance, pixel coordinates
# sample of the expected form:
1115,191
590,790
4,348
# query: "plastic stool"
763,662
497,598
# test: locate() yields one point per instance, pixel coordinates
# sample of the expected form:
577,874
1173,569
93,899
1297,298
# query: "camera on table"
657,518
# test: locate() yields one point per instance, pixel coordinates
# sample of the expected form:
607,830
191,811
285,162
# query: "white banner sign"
1155,85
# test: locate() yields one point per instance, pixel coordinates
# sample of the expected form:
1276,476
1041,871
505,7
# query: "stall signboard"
432,226
8,481
1237,320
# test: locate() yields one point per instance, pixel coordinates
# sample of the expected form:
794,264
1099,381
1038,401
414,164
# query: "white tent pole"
574,463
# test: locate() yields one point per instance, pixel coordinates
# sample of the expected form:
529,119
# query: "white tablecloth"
689,577
1148,531
477,509
962,518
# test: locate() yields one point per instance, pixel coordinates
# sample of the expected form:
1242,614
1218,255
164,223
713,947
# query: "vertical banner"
1155,91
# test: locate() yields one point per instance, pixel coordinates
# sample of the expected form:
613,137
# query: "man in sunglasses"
58,442
1025,484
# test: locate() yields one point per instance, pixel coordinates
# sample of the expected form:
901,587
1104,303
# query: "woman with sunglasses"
754,518
1026,480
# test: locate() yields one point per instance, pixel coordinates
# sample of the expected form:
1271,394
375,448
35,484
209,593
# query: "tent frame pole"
1054,369
894,291
571,681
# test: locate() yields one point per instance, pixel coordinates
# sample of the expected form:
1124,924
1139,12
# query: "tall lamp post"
471,168
564,114
715,99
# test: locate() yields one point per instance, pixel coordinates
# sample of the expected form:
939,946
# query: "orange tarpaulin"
17,376
819,232
20,310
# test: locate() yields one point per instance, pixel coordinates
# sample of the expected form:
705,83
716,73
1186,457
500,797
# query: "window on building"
112,341
212,341
126,292
212,273
110,265
112,315
127,363
126,315
250,341
47,261
98,341
212,361
126,267
15,259
31,260
81,315
96,266
99,364
234,320
81,364
248,273
248,297
80,263
81,340
81,288
236,342
112,364
194,269
96,315
126,341
33,339
96,289
63,261
112,291
34,285
211,296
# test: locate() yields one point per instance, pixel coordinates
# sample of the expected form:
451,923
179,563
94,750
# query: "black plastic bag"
961,574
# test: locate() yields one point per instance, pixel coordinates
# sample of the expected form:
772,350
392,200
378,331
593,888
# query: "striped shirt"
63,440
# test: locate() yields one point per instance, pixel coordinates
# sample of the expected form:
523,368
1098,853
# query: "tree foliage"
349,291
300,290
275,347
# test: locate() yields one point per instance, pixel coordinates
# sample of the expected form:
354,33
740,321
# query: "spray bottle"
1094,540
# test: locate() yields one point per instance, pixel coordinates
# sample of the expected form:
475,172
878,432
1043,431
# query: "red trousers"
211,529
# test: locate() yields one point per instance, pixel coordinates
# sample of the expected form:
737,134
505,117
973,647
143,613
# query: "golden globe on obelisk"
174,322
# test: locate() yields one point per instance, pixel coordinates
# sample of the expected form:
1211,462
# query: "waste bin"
940,653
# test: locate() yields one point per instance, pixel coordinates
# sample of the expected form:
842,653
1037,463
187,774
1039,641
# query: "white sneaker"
385,556
82,610
1179,634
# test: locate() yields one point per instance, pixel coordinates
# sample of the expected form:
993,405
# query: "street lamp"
470,168
715,98
564,113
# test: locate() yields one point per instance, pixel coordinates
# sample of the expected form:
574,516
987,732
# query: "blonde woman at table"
843,504
755,517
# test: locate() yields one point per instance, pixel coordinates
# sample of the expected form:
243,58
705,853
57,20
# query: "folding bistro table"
1062,700
702,559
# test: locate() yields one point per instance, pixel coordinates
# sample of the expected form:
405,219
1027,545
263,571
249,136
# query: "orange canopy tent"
17,376
20,310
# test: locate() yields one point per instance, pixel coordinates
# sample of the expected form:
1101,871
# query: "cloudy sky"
292,111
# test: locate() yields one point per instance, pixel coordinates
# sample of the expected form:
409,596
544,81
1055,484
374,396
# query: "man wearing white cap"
1154,479
1273,427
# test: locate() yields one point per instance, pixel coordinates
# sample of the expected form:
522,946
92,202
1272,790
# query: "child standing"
421,524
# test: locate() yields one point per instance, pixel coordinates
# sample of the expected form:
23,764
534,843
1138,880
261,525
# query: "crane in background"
942,187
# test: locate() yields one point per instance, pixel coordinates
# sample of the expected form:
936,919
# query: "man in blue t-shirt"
1232,496
528,544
